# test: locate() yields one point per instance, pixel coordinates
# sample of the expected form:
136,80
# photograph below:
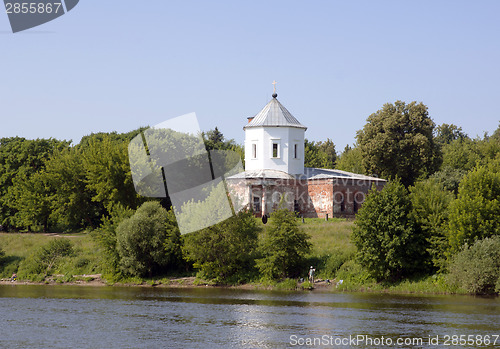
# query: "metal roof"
274,114
310,173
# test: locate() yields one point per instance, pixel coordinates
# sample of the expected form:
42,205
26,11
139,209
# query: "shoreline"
189,282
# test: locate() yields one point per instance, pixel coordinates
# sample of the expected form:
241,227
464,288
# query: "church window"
254,151
295,151
276,149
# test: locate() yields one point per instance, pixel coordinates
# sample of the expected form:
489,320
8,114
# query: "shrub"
283,247
476,269
474,214
44,259
390,244
148,243
224,252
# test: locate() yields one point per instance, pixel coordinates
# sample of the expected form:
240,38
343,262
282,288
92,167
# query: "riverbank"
421,287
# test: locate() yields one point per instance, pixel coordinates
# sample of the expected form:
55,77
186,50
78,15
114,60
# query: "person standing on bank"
311,275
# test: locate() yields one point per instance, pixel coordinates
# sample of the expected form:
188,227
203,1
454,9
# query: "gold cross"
274,86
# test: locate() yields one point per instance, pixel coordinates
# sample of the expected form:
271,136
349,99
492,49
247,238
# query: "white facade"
274,141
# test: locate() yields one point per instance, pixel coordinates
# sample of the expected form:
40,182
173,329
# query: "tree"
389,243
351,160
21,157
108,173
224,252
474,214
148,243
397,141
283,246
319,154
328,147
445,134
430,203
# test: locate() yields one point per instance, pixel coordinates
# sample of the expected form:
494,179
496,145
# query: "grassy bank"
332,255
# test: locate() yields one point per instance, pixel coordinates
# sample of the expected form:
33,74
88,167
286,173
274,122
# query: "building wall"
311,198
263,138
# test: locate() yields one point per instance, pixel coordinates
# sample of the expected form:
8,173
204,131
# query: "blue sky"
118,65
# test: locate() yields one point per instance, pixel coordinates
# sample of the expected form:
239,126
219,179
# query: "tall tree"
319,154
474,214
21,157
389,243
445,134
351,160
397,141
430,203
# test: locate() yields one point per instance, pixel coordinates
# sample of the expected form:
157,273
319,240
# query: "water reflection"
65,316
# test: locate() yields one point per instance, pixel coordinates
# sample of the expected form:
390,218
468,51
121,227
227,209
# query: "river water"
62,316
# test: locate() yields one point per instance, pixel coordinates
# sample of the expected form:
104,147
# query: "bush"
43,260
148,243
476,269
225,252
283,247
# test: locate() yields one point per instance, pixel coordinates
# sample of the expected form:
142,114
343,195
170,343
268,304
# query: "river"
62,316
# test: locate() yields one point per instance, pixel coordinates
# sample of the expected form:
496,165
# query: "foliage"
465,154
2,256
108,173
397,141
283,246
319,154
224,252
389,242
21,158
449,178
105,236
148,242
44,259
445,134
476,269
474,214
430,210
72,206
351,160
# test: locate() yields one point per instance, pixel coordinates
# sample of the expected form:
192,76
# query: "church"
275,174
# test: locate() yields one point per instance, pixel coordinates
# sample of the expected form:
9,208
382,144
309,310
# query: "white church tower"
274,140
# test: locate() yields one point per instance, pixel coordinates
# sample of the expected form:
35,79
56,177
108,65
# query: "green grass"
86,258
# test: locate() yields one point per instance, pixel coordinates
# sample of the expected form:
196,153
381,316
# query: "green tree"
351,160
32,198
72,206
445,134
474,214
476,269
449,178
397,141
283,246
108,173
148,243
21,157
389,243
106,237
319,154
224,252
430,203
